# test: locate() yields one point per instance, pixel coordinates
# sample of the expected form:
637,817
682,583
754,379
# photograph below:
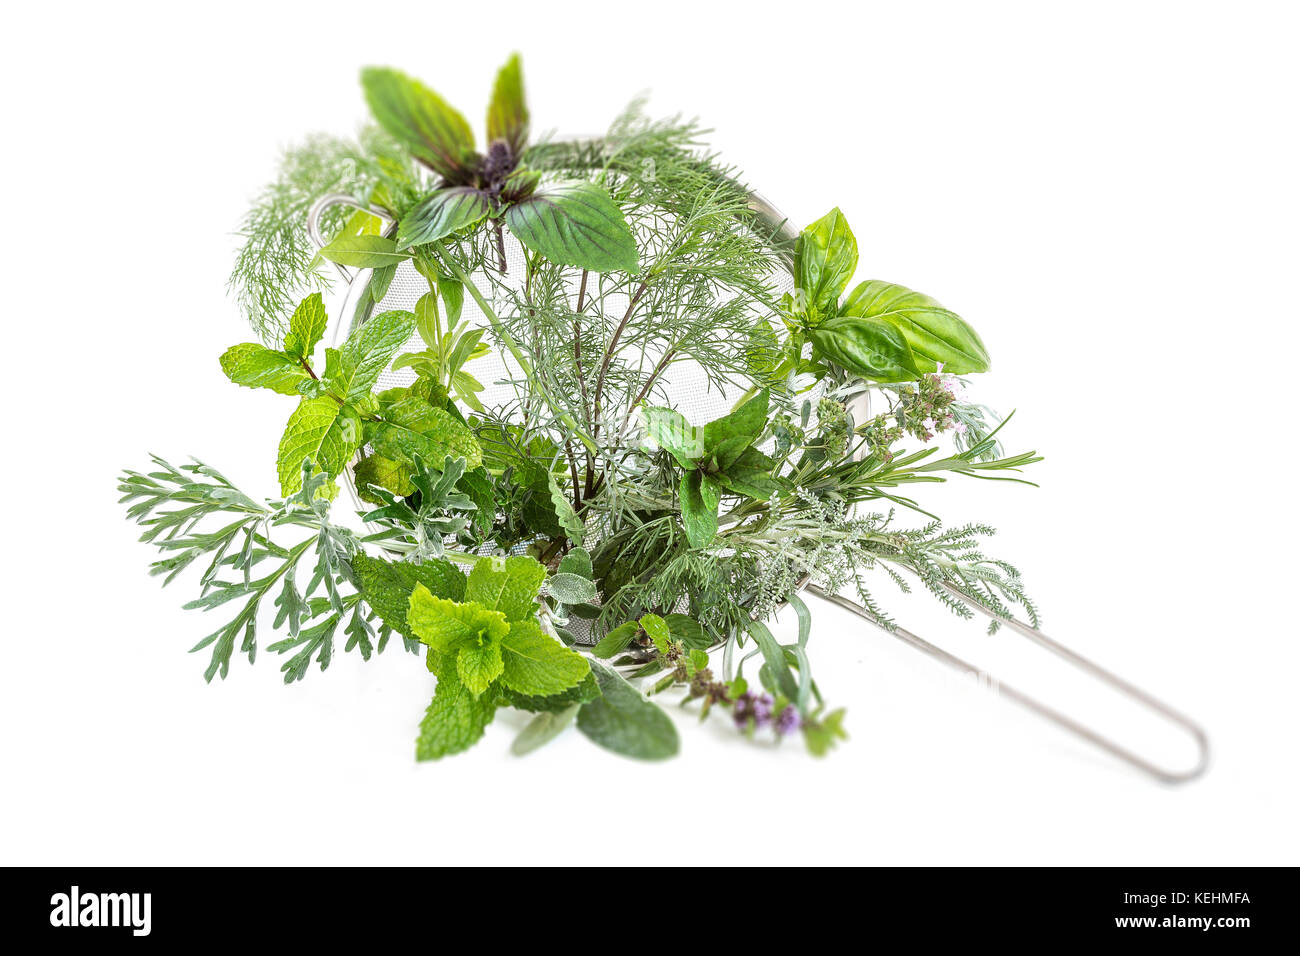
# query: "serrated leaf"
420,119
746,422
478,665
537,665
508,585
750,475
255,366
934,333
448,625
387,586
368,350
322,431
364,252
583,691
454,720
699,499
542,729
507,116
670,430
616,641
306,327
657,630
413,428
575,224
687,630
443,213
623,721
384,472
569,521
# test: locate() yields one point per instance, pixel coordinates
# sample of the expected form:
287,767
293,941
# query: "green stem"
518,354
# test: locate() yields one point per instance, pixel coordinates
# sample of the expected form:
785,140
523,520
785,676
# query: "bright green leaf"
537,665
447,625
364,252
825,258
420,119
306,327
256,366
322,430
867,347
933,333
508,585
507,116
454,721
616,640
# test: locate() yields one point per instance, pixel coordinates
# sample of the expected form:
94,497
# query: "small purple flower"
788,721
752,707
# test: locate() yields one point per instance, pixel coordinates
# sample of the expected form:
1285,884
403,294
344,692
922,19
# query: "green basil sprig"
881,331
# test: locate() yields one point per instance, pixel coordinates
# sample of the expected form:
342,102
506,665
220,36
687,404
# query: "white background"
1107,191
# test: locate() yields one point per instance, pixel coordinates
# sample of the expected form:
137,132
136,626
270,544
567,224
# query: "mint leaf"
306,327
443,213
750,475
321,430
420,119
454,720
368,350
623,721
670,430
447,625
384,472
569,521
747,422
699,497
616,640
479,664
687,630
507,585
256,366
387,586
575,224
412,427
537,665
657,630
585,690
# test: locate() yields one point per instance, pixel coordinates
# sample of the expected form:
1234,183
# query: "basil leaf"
623,721
444,212
507,116
825,257
420,119
575,224
364,252
934,333
870,348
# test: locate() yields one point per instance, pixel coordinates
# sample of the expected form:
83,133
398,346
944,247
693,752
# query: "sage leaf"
934,333
578,562
575,224
542,729
421,120
571,588
445,212
623,721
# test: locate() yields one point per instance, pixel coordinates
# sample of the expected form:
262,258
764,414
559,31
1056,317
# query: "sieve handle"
329,202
